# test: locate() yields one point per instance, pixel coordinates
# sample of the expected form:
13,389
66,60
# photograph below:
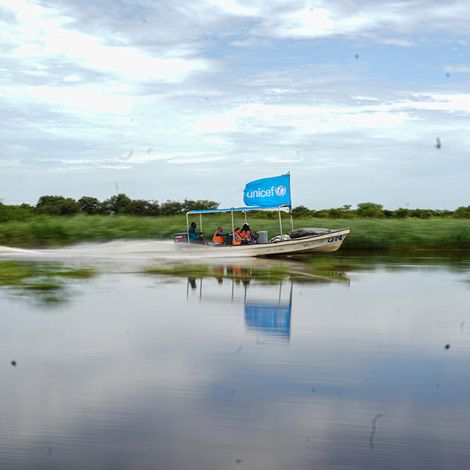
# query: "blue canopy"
241,209
268,318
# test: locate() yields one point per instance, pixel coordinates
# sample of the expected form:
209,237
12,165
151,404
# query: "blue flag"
268,192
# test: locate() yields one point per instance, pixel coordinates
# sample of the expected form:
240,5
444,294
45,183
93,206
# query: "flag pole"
290,204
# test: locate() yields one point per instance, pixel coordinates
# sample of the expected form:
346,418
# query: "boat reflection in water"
266,302
269,318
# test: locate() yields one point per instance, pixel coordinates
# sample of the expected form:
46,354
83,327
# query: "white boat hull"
324,243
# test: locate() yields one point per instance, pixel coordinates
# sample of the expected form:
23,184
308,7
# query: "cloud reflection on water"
140,373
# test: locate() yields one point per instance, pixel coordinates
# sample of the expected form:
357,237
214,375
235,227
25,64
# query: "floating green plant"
79,273
39,277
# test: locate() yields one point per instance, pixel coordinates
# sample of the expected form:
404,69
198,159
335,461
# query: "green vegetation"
45,283
49,231
408,234
121,204
366,234
376,211
56,220
38,277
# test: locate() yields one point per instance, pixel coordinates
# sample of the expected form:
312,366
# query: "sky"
360,100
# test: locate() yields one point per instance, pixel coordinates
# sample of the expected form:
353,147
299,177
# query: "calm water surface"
366,366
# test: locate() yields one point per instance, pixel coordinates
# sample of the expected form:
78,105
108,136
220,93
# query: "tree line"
121,204
377,211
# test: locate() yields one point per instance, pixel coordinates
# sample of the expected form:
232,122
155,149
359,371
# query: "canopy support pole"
280,220
187,226
233,226
200,221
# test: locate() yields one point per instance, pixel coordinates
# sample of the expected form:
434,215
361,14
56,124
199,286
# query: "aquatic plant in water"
39,277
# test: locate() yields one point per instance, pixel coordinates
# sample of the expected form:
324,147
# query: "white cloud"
250,42
457,68
449,103
9,163
369,113
73,99
186,161
315,22
386,21
282,160
81,86
139,158
393,41
72,78
41,34
253,117
233,7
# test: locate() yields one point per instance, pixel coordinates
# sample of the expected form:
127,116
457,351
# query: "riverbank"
366,234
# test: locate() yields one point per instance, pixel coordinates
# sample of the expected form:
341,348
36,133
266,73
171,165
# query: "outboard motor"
180,237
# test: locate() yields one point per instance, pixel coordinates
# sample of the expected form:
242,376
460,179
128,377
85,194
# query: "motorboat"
297,242
260,195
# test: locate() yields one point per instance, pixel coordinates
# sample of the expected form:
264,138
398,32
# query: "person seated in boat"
194,236
248,237
236,237
219,236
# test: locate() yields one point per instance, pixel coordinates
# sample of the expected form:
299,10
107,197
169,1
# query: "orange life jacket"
237,238
246,235
219,239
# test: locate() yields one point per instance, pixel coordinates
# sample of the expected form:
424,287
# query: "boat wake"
119,250
130,256
8,250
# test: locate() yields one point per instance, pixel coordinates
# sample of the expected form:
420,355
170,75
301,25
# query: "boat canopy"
260,195
239,209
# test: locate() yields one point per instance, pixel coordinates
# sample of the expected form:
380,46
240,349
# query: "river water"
362,363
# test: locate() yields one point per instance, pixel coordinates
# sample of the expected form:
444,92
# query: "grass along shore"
366,234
